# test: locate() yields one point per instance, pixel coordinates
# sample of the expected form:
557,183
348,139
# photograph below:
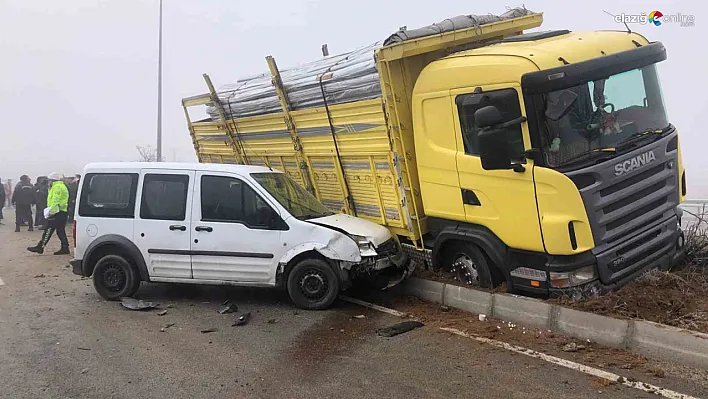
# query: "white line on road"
373,306
2,282
667,393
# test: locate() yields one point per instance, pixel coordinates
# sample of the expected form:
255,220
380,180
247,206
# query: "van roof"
213,167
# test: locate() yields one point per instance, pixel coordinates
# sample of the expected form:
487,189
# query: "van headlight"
361,241
365,246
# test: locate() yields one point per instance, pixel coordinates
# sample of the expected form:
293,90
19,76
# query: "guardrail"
694,209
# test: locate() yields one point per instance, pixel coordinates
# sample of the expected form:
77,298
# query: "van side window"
227,199
108,195
164,197
507,101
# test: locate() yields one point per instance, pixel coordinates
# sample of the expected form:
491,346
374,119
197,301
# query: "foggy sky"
78,77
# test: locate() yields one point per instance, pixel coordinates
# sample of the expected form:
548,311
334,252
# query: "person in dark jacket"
2,200
23,198
73,191
41,191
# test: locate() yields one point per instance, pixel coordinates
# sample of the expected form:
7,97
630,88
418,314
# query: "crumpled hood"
375,233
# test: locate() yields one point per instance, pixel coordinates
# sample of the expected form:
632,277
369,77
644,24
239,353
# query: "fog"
78,77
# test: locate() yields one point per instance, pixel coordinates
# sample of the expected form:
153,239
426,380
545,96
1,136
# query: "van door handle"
204,228
178,227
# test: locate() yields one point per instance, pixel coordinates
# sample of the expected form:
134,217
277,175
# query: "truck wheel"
469,265
114,278
312,284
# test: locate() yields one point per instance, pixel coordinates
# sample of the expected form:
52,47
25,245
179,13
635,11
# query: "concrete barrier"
651,339
468,300
670,343
427,290
527,311
605,330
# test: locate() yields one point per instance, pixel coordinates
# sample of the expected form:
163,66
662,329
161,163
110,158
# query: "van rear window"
110,195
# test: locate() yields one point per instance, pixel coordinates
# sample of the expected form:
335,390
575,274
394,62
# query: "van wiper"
587,153
636,136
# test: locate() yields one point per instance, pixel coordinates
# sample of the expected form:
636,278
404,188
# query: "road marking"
653,389
1,282
667,393
373,306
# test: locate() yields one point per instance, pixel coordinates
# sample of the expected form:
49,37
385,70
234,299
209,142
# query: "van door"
502,200
234,236
163,227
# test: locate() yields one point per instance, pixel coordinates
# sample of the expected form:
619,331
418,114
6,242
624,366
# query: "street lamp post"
159,90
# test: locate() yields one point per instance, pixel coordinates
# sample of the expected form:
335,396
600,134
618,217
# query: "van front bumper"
76,267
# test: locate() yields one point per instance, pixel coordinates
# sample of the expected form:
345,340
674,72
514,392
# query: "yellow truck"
542,159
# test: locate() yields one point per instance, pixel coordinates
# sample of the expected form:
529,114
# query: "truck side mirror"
488,116
493,145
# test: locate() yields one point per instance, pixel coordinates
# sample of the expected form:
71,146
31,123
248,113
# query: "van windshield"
296,200
597,116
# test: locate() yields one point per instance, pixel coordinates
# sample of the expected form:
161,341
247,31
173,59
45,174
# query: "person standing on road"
23,198
58,204
41,190
2,200
73,191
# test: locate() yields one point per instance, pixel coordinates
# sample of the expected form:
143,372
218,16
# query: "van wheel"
312,284
114,278
467,262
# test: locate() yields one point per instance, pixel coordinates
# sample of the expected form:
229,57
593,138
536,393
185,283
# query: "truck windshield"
295,199
596,116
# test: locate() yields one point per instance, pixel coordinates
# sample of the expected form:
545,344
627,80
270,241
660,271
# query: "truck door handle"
178,227
204,228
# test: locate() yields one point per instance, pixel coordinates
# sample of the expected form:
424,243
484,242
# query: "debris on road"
242,320
83,349
137,304
360,316
483,317
272,321
573,347
399,328
444,308
162,312
227,307
39,276
209,330
84,371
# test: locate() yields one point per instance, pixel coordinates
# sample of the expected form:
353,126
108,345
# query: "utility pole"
159,90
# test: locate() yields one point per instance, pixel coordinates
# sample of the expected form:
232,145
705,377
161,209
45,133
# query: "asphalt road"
59,339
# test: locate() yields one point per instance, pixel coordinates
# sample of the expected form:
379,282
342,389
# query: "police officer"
58,203
23,198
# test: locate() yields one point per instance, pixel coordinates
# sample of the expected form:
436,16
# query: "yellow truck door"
502,200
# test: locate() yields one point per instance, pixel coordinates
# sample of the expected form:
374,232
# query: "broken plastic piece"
209,330
242,320
399,328
483,317
162,312
360,316
228,308
137,304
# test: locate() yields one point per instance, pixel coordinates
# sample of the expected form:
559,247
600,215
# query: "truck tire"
114,278
312,284
469,265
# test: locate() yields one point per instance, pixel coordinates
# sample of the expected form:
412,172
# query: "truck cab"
551,154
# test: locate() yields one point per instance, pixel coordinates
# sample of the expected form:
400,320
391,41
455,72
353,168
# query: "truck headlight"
574,278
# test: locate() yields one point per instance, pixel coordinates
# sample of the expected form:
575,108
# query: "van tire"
461,257
312,284
114,278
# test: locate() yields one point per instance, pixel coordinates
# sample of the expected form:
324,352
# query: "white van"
221,224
